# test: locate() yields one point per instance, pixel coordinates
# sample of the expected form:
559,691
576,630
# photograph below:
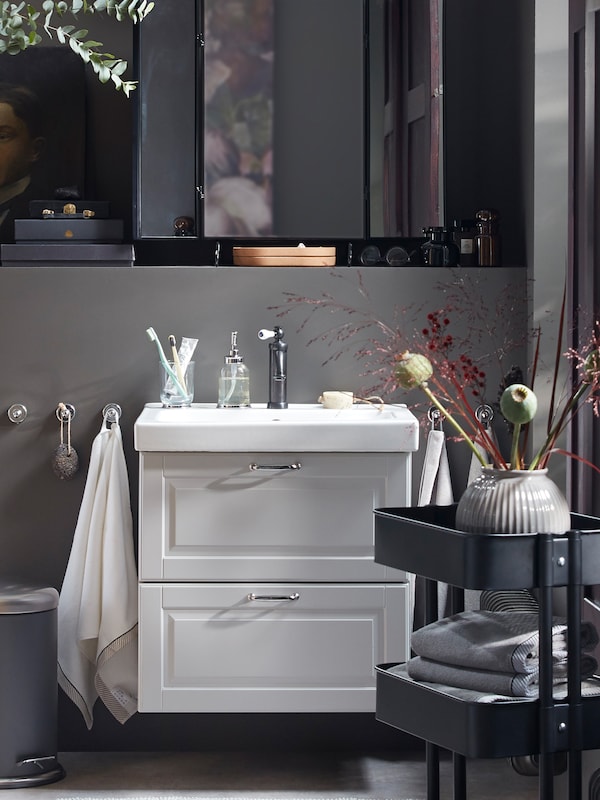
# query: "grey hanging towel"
436,489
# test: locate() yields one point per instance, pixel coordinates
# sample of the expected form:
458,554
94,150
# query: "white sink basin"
301,428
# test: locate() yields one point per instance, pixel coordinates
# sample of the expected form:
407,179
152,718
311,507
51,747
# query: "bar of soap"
337,399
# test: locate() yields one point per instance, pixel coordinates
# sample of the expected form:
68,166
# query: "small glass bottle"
464,237
234,380
487,238
440,250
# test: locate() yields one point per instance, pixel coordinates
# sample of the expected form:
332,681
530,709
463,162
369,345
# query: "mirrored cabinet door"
167,163
253,125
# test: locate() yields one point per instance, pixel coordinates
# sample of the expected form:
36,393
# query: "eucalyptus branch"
20,24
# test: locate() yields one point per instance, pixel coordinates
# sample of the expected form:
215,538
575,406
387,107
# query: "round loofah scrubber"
65,462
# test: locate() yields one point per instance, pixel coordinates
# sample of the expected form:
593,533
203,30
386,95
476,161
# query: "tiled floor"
328,775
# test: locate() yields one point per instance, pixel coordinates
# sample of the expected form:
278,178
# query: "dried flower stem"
541,457
458,380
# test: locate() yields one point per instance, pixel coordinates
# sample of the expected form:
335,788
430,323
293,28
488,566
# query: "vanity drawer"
210,648
209,516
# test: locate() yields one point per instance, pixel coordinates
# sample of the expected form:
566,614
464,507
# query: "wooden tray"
284,256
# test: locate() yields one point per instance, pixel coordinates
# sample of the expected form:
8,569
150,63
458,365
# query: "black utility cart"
426,542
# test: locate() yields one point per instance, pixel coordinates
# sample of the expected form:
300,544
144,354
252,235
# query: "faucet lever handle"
276,333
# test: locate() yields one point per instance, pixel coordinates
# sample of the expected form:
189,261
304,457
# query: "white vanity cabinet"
258,587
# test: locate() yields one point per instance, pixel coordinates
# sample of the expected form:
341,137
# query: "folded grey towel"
515,684
589,688
500,641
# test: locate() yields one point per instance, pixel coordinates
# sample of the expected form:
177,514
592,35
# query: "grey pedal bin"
28,686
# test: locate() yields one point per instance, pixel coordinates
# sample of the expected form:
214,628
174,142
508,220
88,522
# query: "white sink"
301,427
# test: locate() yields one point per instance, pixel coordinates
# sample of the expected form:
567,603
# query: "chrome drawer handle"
296,465
274,597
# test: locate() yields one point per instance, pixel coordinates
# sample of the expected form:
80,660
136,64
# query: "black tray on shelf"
473,729
425,540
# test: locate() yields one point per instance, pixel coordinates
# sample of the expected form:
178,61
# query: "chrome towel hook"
434,415
65,412
17,413
484,414
111,413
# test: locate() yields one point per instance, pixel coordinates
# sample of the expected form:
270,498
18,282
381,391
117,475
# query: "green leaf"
63,33
32,14
119,68
84,53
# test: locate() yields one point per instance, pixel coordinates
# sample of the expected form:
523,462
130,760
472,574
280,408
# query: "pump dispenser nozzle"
234,356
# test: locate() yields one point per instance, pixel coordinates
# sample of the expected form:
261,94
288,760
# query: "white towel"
97,609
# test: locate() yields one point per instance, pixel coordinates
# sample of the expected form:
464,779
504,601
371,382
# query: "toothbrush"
176,361
163,360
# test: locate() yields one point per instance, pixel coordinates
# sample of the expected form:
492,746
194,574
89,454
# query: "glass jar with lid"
439,250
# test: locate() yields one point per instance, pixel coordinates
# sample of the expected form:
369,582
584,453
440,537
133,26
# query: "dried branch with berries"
450,368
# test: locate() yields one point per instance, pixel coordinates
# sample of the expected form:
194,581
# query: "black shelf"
425,541
472,728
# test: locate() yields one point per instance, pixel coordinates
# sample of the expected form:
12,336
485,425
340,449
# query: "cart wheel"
529,766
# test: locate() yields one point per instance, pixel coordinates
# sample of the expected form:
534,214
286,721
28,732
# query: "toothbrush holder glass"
170,395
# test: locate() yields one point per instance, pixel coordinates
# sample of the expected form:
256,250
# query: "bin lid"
23,599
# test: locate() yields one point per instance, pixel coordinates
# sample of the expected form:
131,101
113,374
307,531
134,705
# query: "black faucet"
277,367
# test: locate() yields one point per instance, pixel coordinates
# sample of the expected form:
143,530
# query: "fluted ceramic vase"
513,501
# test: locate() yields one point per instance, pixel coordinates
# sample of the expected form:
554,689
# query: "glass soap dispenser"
234,380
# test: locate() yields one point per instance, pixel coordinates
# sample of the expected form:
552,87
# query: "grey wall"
549,222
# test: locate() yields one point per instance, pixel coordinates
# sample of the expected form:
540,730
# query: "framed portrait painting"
42,130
